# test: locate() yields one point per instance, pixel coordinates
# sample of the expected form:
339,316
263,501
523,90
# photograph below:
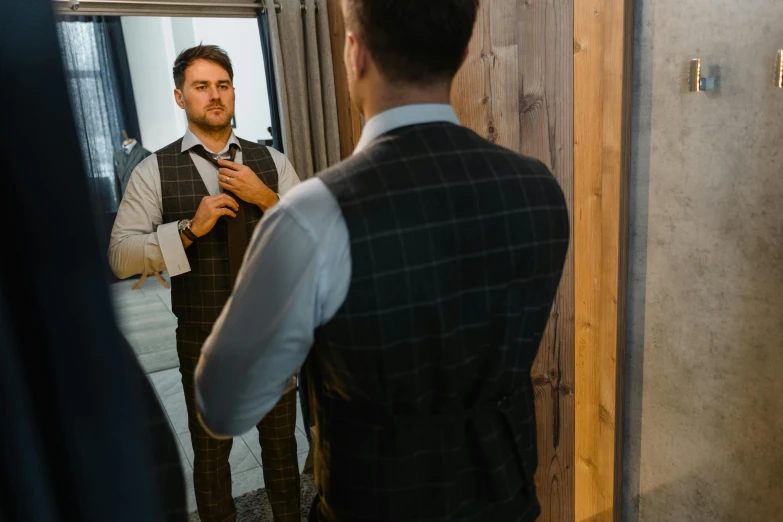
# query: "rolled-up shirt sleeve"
140,242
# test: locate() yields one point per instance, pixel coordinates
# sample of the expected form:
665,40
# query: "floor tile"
186,461
166,298
240,458
302,446
247,481
251,439
190,492
299,422
167,382
302,457
174,405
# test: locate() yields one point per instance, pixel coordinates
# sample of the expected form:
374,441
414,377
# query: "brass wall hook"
695,82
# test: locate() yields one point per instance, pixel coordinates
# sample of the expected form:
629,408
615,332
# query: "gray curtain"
302,65
93,53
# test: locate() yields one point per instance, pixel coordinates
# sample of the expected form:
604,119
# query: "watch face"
183,224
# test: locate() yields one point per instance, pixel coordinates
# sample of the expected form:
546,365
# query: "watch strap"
189,233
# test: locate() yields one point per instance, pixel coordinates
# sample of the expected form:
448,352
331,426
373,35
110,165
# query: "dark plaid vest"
421,381
198,296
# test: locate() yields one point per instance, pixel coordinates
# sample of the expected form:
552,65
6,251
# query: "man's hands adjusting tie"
237,181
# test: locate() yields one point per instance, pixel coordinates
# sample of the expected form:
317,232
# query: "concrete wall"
154,42
704,396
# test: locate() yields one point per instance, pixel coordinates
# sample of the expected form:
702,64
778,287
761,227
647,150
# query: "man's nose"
214,93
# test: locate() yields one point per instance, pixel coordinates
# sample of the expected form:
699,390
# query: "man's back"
422,378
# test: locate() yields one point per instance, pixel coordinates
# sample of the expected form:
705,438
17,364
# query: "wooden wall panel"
349,120
516,89
602,68
546,68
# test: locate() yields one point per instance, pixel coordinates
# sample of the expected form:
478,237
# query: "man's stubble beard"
203,123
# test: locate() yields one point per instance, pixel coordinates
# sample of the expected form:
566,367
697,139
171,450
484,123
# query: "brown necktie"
237,228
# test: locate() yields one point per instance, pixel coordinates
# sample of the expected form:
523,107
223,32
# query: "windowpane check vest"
198,296
421,381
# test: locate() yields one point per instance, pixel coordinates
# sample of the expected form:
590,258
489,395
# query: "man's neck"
214,140
386,98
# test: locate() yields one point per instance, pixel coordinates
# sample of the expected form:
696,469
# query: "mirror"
121,87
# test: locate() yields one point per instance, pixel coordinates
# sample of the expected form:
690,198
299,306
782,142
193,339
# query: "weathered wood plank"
602,33
546,119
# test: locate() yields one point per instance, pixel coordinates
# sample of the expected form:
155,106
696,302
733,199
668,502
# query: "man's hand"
209,210
242,181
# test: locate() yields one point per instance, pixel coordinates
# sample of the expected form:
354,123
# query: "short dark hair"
415,41
211,53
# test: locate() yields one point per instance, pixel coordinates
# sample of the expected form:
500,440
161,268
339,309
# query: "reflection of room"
122,92
121,87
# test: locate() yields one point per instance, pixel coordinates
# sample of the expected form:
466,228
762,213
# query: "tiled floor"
245,456
146,320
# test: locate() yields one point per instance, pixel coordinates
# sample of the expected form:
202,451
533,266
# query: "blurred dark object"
82,438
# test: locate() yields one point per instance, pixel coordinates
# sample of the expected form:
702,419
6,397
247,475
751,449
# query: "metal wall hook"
695,82
779,70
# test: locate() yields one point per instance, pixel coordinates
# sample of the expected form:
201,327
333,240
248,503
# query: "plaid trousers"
211,470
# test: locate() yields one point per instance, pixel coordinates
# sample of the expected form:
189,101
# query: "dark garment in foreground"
421,381
167,473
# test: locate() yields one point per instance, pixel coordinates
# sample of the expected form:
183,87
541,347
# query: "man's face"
207,95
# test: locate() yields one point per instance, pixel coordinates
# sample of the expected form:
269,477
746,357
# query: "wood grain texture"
601,163
516,89
349,121
485,93
546,120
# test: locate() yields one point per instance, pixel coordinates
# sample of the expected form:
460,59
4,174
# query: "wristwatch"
184,227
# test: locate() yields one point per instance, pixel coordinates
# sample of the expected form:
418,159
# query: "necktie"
237,227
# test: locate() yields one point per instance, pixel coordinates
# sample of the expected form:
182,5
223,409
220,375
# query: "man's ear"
361,57
179,98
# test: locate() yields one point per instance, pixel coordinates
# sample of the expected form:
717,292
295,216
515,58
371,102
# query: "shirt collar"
404,116
190,140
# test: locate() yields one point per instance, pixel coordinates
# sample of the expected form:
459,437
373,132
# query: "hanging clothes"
125,160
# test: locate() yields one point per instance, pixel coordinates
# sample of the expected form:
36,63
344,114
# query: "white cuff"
172,249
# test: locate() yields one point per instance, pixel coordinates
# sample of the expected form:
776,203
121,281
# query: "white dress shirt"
295,277
140,241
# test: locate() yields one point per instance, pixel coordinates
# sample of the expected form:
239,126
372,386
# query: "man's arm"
139,242
294,278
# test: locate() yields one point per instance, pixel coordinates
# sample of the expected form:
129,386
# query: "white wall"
240,38
153,43
150,48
